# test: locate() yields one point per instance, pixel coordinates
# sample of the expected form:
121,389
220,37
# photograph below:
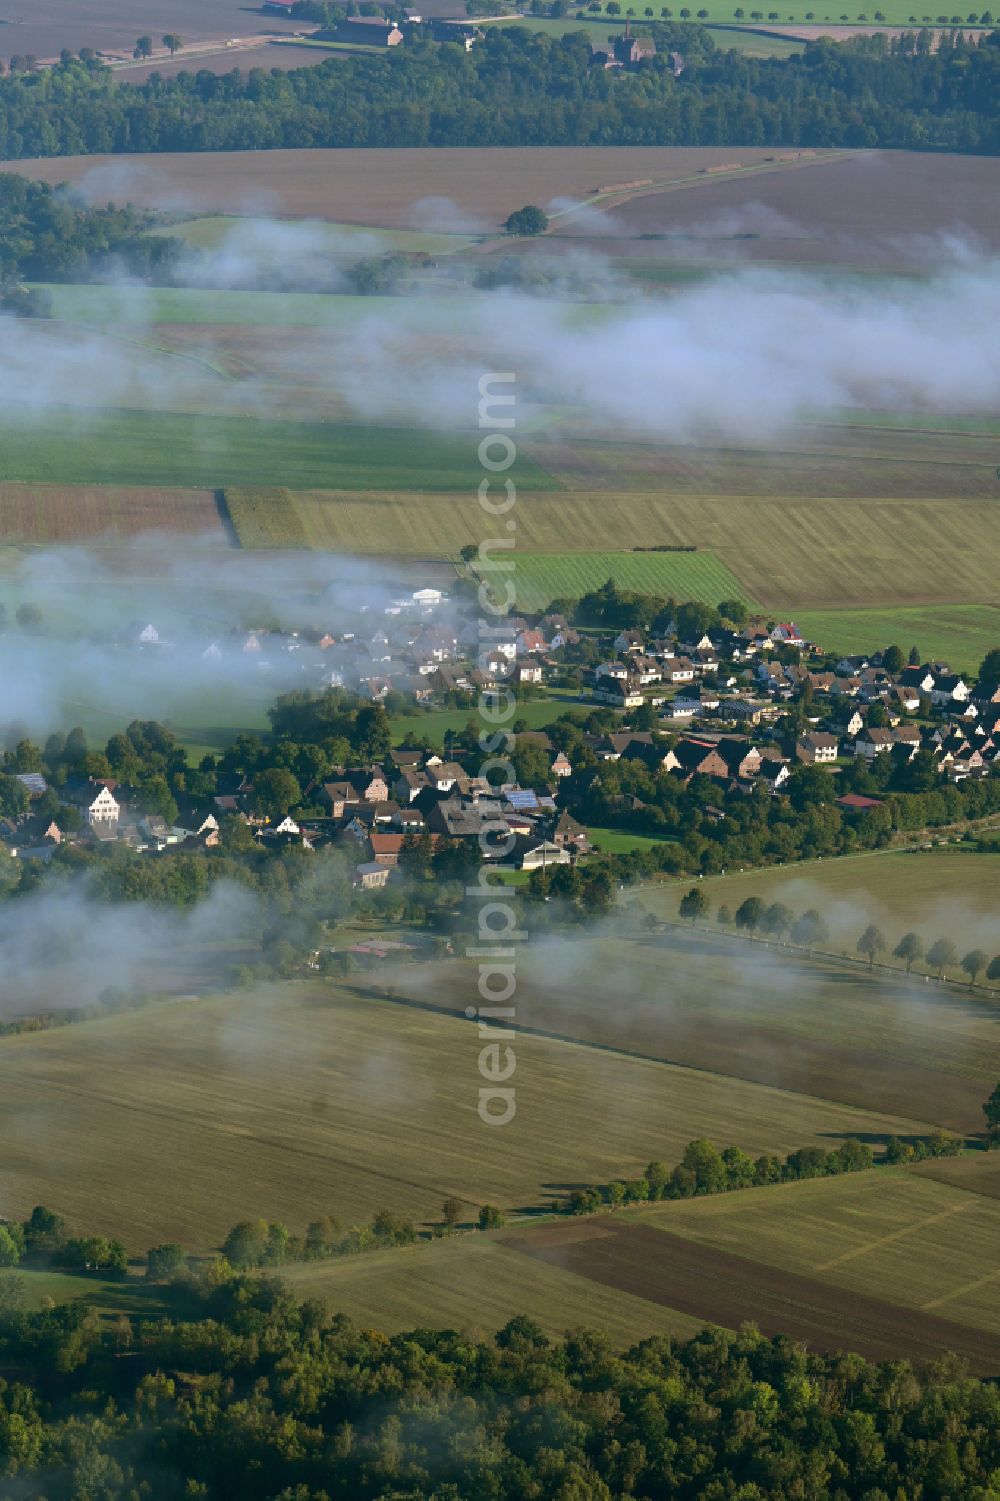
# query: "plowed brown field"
722,1288
78,513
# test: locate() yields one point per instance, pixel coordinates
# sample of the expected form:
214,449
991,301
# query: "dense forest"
518,88
262,1397
49,235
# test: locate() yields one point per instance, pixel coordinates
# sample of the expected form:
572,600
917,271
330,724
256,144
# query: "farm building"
373,31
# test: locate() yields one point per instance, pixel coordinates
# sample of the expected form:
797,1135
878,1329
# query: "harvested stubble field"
815,1027
785,552
948,892
476,1283
976,1175
76,513
850,459
929,1245
866,1262
173,1123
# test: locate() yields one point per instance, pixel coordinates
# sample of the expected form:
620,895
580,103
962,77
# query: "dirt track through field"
726,1289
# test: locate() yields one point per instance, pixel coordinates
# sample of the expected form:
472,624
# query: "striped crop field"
542,577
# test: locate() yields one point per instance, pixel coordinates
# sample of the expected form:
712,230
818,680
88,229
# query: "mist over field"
64,947
737,356
202,599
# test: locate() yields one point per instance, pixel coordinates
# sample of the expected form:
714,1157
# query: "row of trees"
704,1169
756,917
252,1245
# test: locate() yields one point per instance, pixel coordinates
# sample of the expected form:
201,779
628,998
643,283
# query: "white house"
103,810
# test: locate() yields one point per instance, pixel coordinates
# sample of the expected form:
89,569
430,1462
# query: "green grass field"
435,723
112,307
958,634
347,241
539,578
616,842
892,1234
109,1296
169,448
739,38
470,1282
306,1099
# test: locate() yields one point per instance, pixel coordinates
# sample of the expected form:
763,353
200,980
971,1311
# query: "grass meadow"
127,447
958,634
725,13
305,1099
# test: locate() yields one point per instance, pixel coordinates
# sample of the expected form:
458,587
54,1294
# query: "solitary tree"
275,791
164,1262
490,1217
530,220
909,949
144,47
809,930
694,905
973,963
749,914
28,617
172,42
991,1110
871,943
451,1211
993,973
777,919
942,954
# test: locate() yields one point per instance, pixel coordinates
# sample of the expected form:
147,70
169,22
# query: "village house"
96,802
856,802
742,759
620,695
817,748
698,758
787,633
532,852
337,796
571,835
949,689
853,724
370,875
